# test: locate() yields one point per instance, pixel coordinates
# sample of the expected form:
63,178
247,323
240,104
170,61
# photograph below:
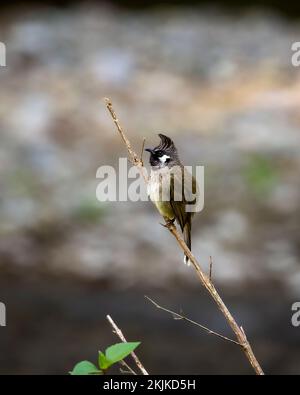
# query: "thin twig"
210,267
142,151
133,157
184,318
122,337
204,279
129,369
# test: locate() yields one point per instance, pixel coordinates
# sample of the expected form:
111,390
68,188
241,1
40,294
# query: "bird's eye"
167,160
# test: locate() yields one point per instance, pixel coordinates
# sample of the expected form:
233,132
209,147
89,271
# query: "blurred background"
217,78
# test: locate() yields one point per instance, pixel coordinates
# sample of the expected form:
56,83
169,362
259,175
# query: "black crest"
165,154
166,144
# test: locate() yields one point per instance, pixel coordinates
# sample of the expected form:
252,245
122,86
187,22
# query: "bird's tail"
187,239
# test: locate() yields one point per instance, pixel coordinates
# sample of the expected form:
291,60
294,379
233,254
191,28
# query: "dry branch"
129,369
184,318
204,279
133,157
119,333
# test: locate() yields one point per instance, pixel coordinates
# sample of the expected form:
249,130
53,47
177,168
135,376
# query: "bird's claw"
168,223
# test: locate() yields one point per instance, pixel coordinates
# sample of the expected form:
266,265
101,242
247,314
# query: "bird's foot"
169,222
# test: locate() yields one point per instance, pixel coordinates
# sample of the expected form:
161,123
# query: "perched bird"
171,187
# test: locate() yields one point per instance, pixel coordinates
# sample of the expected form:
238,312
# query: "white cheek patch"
164,158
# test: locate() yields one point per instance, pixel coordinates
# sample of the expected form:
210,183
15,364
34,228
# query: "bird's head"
164,155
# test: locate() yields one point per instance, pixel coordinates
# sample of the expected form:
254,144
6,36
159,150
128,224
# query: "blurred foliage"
22,182
261,175
89,211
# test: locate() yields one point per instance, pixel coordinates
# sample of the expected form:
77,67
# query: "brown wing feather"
188,187
177,206
182,181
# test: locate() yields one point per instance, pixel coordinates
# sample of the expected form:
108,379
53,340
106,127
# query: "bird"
172,187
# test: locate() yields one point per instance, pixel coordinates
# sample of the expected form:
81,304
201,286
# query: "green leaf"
119,351
85,368
103,362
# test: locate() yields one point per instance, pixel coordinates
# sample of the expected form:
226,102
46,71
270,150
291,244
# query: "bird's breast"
155,194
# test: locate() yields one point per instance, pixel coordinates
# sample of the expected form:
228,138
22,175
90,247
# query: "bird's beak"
149,150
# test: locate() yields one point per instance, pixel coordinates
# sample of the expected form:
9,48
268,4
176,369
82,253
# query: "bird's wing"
190,188
182,190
